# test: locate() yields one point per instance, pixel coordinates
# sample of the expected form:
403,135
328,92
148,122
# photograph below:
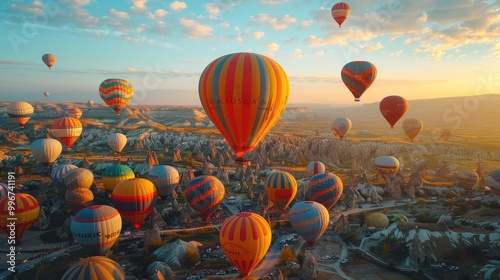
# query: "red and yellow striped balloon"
23,215
340,12
94,268
117,93
244,94
20,112
67,130
245,239
281,187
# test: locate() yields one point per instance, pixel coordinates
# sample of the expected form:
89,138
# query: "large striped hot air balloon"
49,59
20,112
115,174
57,176
468,179
340,12
96,228
94,268
281,188
244,94
117,93
358,76
67,130
74,113
46,150
25,213
393,108
165,178
204,194
310,219
377,219
397,218
341,127
78,178
245,239
386,165
117,141
412,127
79,198
135,199
326,188
493,180
315,167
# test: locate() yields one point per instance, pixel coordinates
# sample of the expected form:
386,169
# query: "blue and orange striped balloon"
281,187
204,194
326,188
377,219
310,219
135,199
244,94
25,213
96,228
117,93
94,268
358,77
245,239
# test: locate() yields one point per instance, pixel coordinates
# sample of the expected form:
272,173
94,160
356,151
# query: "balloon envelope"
49,59
281,188
397,218
165,178
46,150
393,108
358,77
341,126
377,219
116,93
244,94
57,176
135,199
493,180
74,113
25,213
310,219
340,12
315,167
78,178
386,165
468,179
445,134
115,174
245,239
20,112
67,130
94,268
4,189
46,94
412,127
204,194
117,141
77,199
326,188
90,103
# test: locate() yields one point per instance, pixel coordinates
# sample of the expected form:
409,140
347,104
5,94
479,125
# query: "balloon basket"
243,162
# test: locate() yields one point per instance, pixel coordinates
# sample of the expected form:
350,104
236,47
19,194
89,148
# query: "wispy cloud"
178,6
273,22
194,29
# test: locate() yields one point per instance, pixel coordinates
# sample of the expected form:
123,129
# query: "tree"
189,157
192,257
362,218
287,255
386,248
300,258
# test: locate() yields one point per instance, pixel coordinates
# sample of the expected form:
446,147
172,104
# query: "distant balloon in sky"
244,94
94,268
341,126
393,107
468,179
445,134
46,150
326,188
90,103
49,59
74,113
116,93
340,12
165,178
386,165
20,112
204,194
493,180
310,219
315,167
281,188
67,130
25,213
117,141
46,94
358,77
412,127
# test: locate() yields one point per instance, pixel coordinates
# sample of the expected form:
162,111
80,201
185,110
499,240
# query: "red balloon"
393,108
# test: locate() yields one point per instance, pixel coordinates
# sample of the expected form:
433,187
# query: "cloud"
372,47
138,6
178,6
273,2
117,14
396,53
272,48
273,22
212,9
258,34
339,39
15,62
131,70
195,30
319,53
305,23
297,53
160,13
411,40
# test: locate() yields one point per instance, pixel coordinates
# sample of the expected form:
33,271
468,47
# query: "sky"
422,49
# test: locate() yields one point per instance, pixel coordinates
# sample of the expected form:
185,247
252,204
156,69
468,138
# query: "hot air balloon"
341,127
96,228
4,189
57,176
90,103
468,179
397,218
49,59
245,239
115,174
281,188
340,12
74,113
204,194
78,178
445,134
358,77
386,165
135,199
67,130
377,220
165,178
79,198
25,213
412,127
94,268
310,219
117,93
493,180
315,167
20,112
326,188
46,94
244,94
117,141
46,150
393,108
